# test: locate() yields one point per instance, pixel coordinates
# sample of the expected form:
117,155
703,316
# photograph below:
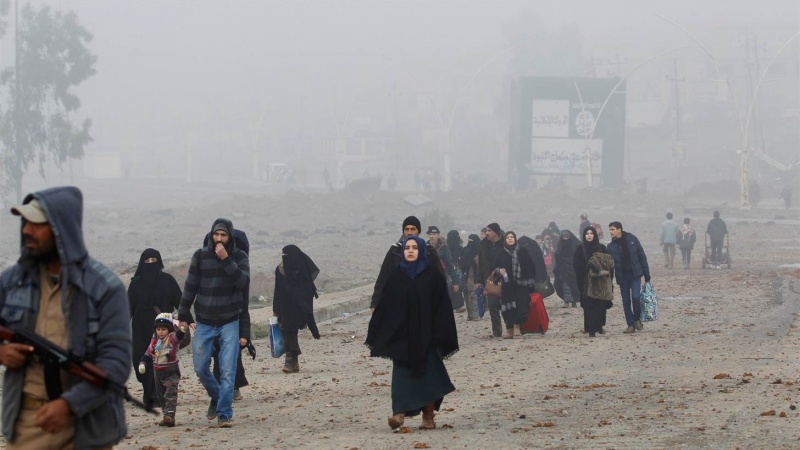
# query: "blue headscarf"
412,269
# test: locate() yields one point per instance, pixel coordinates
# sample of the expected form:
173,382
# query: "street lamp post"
744,124
611,94
447,132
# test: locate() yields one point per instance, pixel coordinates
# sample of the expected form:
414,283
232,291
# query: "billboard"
555,128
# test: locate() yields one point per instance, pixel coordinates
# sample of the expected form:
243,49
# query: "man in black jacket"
411,226
716,232
630,264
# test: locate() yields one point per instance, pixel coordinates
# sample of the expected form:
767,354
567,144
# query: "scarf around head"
414,268
143,281
589,247
299,267
471,249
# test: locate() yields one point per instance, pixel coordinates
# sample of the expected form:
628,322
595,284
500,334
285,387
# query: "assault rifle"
50,352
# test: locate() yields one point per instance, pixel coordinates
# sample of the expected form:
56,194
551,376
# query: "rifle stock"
68,361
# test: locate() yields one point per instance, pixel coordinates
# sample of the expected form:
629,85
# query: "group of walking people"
420,287
214,305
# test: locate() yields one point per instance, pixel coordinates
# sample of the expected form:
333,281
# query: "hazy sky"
169,67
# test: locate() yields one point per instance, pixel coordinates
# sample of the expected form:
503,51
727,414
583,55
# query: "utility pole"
18,181
758,128
678,147
396,127
619,63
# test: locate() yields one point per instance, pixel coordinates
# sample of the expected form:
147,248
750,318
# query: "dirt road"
709,373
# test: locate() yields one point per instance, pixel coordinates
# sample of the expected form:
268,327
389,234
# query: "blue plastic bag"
481,301
276,344
649,303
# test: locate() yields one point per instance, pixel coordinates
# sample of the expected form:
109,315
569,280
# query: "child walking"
163,351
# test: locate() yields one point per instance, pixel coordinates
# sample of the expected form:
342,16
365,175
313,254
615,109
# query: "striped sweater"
215,287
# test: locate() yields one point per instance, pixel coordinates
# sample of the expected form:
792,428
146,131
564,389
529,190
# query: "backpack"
599,230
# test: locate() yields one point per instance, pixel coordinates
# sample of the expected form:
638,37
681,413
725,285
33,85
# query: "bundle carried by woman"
599,284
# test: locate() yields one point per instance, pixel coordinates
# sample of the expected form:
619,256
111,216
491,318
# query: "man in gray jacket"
62,294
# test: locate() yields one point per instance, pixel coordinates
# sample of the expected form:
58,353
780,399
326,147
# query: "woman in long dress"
594,270
565,281
293,301
151,292
413,325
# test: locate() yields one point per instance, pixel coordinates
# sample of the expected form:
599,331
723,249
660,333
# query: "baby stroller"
724,257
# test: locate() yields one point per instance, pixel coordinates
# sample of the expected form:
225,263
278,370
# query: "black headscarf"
293,298
564,254
566,245
299,267
589,247
471,249
533,249
454,244
143,282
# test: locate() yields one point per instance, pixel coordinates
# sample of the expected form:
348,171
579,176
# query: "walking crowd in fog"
420,288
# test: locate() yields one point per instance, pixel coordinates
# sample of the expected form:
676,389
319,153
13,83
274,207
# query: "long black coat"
164,294
414,316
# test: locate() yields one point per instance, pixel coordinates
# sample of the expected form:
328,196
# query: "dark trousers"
593,316
493,303
240,380
456,298
716,250
630,288
291,342
166,386
686,255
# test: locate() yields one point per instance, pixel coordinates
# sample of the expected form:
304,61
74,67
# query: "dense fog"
378,87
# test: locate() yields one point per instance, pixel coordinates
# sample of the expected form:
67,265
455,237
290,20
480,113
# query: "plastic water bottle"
505,277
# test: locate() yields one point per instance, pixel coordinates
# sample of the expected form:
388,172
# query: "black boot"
287,363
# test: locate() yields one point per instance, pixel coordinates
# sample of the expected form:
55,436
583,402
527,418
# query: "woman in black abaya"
293,301
151,291
414,326
592,269
565,282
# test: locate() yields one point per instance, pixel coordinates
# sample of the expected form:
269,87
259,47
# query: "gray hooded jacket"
98,323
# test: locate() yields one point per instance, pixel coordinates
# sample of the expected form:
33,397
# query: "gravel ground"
718,369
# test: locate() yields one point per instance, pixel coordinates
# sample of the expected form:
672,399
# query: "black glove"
251,349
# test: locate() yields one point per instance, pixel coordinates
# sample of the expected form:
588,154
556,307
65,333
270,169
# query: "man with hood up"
215,284
62,294
411,227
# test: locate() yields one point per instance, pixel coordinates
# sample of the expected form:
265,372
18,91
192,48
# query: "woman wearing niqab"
293,301
468,263
151,291
565,281
414,326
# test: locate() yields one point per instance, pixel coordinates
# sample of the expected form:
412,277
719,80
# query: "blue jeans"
220,392
631,289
